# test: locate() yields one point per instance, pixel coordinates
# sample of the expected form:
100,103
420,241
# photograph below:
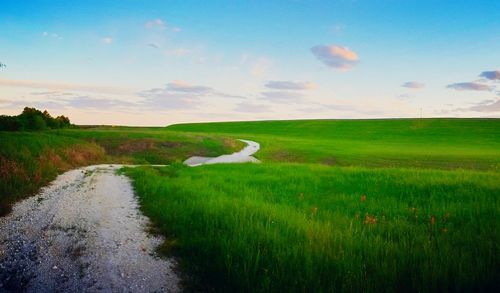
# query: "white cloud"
290,85
180,95
470,86
337,57
181,86
63,100
282,96
86,102
52,35
485,106
413,85
155,23
107,40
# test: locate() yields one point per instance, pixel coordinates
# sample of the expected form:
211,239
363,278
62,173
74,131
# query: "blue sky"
163,62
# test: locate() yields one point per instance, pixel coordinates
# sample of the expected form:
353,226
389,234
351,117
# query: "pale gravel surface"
243,156
83,233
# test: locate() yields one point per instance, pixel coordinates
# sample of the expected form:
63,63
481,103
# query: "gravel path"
243,156
83,233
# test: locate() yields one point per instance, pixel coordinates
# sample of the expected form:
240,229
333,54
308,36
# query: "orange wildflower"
370,220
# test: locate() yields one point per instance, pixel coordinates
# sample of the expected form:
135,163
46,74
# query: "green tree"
38,123
33,119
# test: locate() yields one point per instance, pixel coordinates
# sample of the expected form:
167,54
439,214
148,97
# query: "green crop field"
337,205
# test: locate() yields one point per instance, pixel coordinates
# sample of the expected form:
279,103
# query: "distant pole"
421,113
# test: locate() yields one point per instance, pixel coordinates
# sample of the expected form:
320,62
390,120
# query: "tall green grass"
29,160
312,228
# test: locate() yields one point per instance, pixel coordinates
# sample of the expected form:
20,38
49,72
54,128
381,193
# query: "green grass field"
404,205
349,206
420,143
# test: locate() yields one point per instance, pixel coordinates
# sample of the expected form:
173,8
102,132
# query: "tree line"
32,119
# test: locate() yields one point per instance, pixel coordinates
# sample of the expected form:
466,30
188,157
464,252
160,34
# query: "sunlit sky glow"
163,62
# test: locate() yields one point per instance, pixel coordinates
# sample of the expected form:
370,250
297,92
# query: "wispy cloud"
334,56
153,45
155,23
180,95
290,85
86,102
107,40
60,86
470,86
413,85
51,93
486,106
282,96
65,100
337,107
405,96
52,35
491,75
164,99
181,86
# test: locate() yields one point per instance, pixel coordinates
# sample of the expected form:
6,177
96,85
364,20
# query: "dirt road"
83,233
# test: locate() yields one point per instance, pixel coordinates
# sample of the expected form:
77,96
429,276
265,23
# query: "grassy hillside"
423,220
29,160
153,145
431,143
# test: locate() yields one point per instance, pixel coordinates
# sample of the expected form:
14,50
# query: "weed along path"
243,156
84,232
